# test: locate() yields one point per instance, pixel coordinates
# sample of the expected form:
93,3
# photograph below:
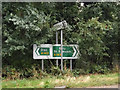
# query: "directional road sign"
49,51
68,51
60,25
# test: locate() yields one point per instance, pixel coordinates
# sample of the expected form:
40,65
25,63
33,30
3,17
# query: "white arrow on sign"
37,51
75,51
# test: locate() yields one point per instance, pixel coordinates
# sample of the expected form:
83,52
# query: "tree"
94,30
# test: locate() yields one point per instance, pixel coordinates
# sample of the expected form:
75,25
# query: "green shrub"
46,85
100,69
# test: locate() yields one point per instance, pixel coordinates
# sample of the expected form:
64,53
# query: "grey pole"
71,64
42,65
61,50
57,43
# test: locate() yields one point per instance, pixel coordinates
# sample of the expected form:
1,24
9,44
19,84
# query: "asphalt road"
111,86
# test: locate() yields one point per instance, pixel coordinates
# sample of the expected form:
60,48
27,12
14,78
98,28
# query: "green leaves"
93,27
20,32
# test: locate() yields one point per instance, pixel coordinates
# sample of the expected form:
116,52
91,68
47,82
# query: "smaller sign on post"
60,25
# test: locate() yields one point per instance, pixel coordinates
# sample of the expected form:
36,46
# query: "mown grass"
68,81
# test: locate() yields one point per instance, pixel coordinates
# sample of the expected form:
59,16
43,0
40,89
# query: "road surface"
111,86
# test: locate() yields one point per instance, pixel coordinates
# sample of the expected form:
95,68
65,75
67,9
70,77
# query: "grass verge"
68,81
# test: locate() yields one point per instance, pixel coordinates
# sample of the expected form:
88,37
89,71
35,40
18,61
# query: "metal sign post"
71,64
42,64
61,50
57,43
58,26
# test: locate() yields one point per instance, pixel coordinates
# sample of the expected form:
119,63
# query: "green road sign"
43,51
68,51
49,51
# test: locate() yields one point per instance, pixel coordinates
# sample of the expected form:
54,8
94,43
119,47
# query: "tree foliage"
94,27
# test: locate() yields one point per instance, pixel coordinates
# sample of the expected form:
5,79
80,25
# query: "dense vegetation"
94,27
